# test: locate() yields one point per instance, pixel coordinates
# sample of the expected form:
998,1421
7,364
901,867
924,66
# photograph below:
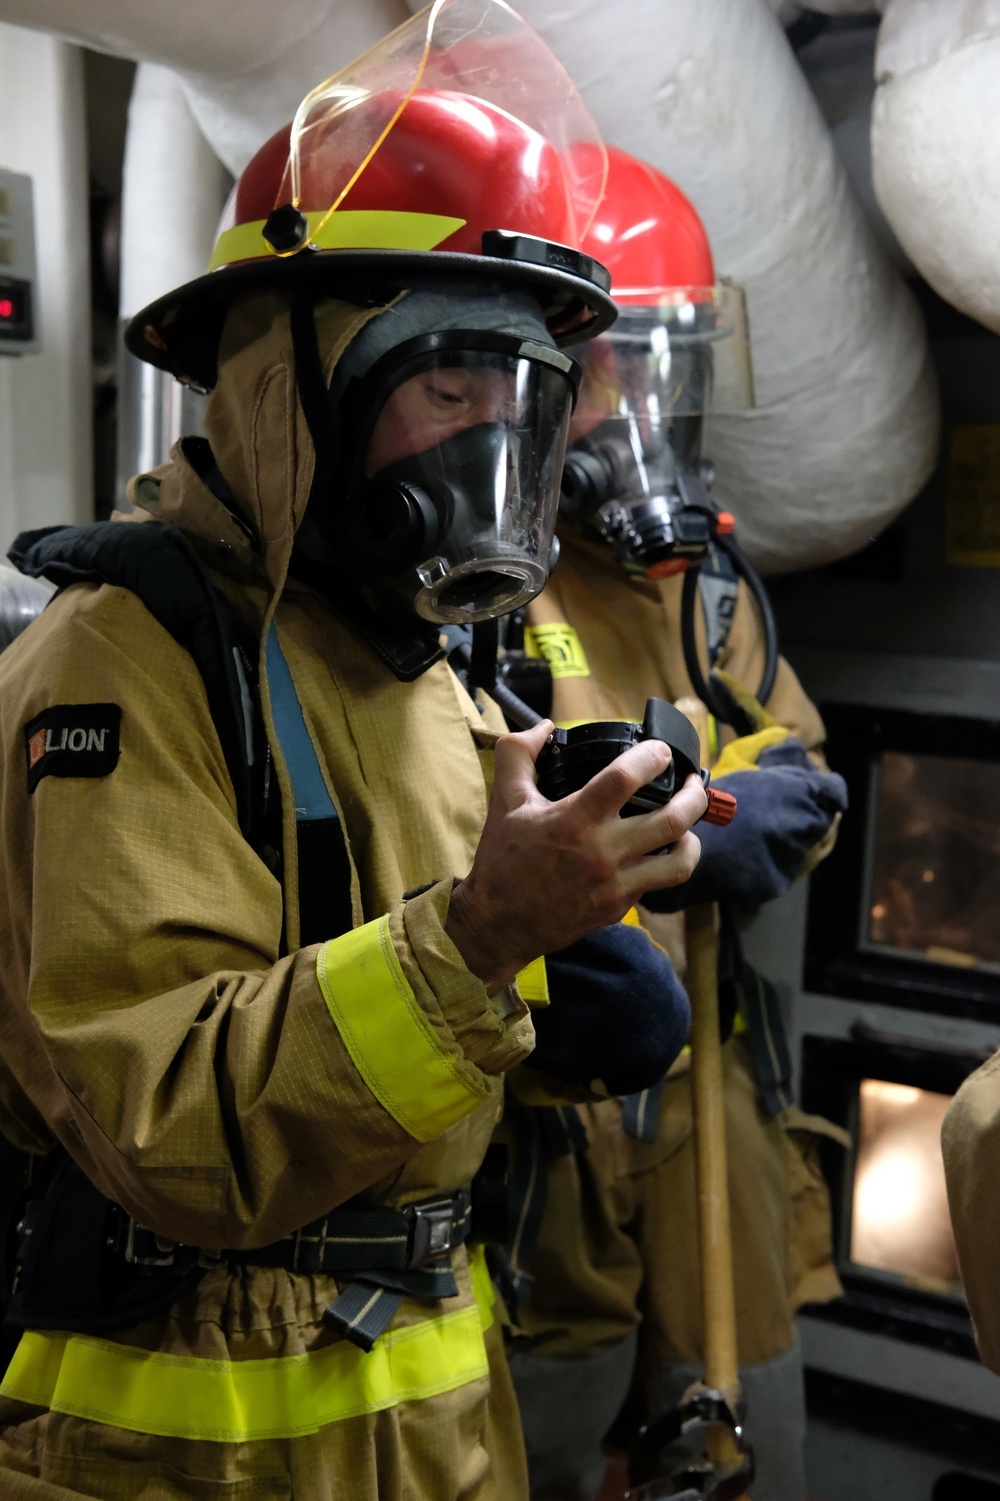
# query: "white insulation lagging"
167,161
243,67
845,430
936,144
846,427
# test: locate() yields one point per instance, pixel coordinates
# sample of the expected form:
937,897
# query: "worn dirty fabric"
774,1392
568,1406
160,1021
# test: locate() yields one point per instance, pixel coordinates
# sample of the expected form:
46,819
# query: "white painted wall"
45,398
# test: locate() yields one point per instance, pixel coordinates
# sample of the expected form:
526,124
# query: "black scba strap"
81,1263
541,1134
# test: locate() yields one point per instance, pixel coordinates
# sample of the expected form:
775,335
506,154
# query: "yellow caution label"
560,646
973,496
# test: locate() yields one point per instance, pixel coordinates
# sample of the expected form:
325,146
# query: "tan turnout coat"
619,1239
203,1078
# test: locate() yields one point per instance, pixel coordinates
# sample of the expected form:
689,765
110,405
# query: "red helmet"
648,234
419,161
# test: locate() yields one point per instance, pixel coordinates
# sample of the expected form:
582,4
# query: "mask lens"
478,436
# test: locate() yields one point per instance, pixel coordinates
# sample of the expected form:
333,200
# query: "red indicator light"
6,307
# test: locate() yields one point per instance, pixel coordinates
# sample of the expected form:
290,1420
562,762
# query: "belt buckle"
167,1249
432,1226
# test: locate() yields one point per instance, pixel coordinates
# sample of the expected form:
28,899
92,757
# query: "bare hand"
547,873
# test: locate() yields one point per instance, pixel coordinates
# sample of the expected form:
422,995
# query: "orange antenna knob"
721,807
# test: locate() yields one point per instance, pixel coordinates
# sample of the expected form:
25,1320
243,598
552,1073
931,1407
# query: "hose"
515,709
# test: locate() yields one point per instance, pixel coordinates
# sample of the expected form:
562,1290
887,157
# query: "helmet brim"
180,332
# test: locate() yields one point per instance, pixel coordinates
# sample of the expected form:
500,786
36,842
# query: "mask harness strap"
711,689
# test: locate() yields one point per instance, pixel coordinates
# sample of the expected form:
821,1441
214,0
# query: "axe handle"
714,1233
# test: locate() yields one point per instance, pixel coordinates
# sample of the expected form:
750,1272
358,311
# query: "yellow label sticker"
973,496
560,646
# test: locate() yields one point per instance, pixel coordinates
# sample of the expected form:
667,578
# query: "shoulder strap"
324,866
157,562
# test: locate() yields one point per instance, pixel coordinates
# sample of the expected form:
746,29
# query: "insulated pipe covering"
21,600
845,430
244,67
935,135
167,161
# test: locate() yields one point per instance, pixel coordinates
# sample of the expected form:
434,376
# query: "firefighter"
969,1141
616,1265
261,916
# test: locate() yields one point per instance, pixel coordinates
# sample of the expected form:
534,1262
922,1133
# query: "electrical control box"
18,310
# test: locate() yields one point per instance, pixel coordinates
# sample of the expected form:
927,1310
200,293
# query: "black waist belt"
386,1253
352,1238
83,1264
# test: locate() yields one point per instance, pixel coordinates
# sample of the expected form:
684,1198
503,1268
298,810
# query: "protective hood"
257,432
245,495
439,448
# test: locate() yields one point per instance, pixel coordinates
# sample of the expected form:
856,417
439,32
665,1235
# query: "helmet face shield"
475,51
636,434
457,471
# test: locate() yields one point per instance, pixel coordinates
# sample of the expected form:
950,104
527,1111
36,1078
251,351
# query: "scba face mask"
452,493
634,472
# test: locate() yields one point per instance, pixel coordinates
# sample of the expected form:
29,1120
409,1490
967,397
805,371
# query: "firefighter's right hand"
547,873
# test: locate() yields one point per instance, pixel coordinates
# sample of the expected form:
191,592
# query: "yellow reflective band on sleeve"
561,647
346,229
632,918
236,1402
533,983
391,1042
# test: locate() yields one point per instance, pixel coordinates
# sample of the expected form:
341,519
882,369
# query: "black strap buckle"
433,1226
144,1248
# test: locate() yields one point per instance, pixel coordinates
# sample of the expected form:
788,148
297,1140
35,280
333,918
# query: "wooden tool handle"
715,1237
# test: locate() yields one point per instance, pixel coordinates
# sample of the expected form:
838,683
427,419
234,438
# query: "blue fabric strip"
641,1112
312,800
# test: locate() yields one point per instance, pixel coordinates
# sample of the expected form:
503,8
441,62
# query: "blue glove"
617,1012
785,806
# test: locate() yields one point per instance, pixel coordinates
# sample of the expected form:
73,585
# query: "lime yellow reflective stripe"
561,647
713,738
391,1042
482,1285
346,229
533,983
235,1402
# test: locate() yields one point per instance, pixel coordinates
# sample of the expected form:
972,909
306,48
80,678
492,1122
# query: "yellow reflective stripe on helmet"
346,229
533,983
238,1401
391,1042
